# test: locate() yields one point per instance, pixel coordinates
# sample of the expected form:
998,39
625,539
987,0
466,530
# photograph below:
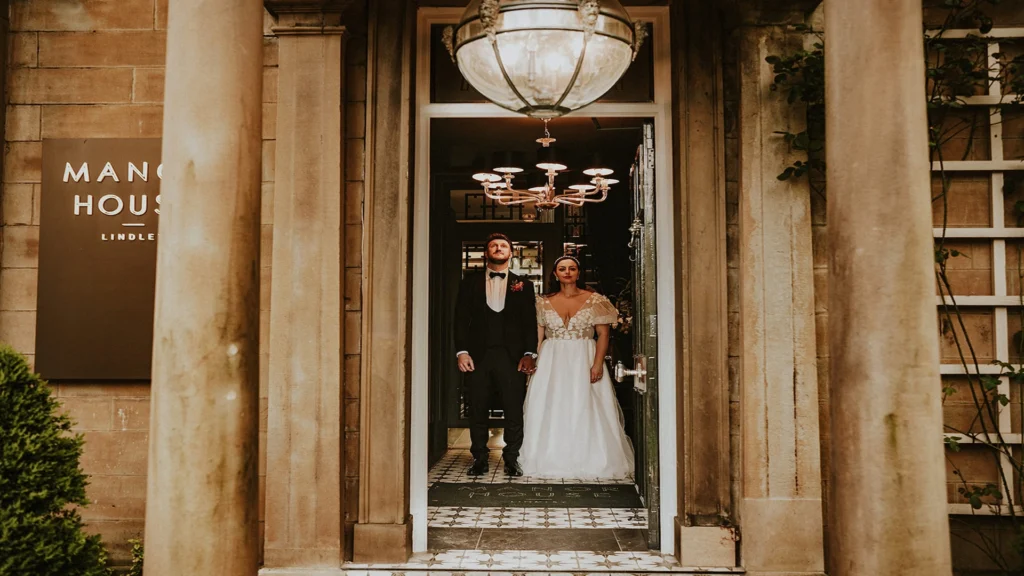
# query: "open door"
645,333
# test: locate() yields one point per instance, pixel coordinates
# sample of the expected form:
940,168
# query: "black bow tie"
498,275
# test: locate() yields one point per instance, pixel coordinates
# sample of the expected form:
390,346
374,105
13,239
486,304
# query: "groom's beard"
494,262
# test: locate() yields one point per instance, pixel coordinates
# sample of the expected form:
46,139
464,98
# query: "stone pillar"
781,484
201,512
384,531
304,437
889,496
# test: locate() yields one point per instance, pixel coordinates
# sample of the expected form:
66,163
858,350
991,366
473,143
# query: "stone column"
201,512
889,495
304,480
781,484
384,531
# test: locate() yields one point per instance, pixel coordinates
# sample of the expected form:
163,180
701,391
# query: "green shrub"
40,482
137,556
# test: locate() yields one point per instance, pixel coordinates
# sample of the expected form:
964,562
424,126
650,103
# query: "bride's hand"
596,371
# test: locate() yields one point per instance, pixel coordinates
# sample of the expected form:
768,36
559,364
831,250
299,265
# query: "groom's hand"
466,363
527,365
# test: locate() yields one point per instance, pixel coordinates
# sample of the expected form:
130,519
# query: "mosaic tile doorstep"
468,517
530,560
455,463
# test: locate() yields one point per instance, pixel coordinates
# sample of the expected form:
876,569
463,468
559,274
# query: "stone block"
115,452
354,159
265,287
821,290
148,86
37,194
114,121
351,451
264,414
70,85
115,535
115,498
23,123
706,546
131,414
269,84
76,15
355,83
267,203
18,288
266,244
107,48
801,551
118,390
18,330
18,204
24,49
161,15
351,422
353,288
269,121
23,162
264,333
353,245
355,119
352,376
89,413
353,330
21,247
269,164
270,51
353,203
261,464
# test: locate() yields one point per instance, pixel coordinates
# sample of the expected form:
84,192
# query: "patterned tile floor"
530,560
455,463
483,517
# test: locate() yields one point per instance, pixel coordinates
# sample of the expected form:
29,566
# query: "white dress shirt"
496,286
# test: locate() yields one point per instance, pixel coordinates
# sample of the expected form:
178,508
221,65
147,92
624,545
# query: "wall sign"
98,222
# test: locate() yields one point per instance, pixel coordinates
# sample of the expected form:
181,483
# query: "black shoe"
512,468
479,467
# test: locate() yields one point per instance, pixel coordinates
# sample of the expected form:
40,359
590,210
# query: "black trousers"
496,371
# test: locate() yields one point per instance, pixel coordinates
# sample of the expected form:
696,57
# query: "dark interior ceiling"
456,143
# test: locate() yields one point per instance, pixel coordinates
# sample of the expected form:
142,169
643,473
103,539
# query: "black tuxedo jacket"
520,316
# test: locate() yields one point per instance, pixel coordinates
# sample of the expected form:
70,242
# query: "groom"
496,335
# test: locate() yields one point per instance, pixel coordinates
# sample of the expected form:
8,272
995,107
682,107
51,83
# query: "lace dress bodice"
595,311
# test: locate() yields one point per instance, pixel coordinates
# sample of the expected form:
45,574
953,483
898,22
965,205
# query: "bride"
572,421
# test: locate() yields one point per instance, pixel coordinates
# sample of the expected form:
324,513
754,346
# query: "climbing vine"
956,68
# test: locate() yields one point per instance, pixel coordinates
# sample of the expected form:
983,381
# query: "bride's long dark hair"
556,284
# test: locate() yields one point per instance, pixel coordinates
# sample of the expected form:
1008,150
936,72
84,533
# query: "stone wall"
95,70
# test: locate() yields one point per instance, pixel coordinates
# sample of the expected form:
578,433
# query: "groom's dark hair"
498,236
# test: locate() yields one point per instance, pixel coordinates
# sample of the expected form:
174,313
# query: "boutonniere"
517,287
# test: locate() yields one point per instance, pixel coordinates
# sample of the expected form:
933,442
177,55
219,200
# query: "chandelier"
543,58
498,185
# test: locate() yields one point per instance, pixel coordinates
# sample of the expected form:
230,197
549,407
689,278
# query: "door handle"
639,373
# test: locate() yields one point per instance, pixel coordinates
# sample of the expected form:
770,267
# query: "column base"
706,546
382,543
313,558
802,550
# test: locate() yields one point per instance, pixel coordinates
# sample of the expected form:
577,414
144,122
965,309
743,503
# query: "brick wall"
95,69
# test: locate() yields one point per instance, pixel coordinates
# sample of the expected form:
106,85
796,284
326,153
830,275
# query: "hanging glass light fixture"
544,58
544,195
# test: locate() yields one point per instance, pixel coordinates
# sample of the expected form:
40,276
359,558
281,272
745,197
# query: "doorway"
613,241
436,404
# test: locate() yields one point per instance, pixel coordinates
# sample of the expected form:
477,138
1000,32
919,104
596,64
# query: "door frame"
660,111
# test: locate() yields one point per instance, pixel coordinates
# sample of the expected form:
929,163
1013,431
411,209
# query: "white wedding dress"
572,428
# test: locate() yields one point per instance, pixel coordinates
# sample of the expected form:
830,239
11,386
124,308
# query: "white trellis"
998,234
